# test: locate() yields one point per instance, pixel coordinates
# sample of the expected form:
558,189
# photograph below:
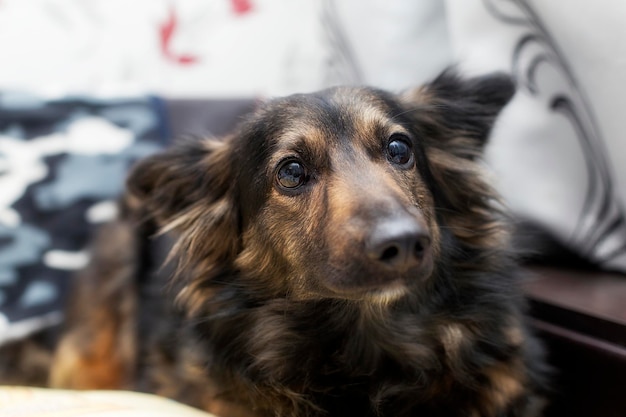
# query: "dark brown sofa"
581,315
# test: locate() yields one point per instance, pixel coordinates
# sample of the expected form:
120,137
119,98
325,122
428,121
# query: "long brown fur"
277,301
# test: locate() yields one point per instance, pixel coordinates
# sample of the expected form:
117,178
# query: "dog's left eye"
399,151
291,175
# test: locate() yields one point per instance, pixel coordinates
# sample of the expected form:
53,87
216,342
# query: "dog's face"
342,205
340,194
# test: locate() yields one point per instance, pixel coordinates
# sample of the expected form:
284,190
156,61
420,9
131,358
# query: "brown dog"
339,255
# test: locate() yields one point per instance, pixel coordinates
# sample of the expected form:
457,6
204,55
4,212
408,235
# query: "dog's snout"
399,243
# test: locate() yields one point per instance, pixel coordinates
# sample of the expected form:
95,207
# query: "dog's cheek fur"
188,190
285,240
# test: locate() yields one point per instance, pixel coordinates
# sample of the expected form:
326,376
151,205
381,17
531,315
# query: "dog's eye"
399,151
291,175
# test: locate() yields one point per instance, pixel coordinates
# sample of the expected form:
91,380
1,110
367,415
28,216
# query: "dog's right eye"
399,151
291,175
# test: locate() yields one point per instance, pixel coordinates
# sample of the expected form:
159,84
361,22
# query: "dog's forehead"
332,115
352,106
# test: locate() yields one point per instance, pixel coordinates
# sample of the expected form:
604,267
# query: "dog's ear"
462,107
454,118
188,189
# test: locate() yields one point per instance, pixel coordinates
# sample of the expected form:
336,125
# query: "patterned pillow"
558,150
62,165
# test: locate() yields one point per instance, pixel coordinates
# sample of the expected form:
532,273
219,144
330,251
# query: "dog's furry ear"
454,117
464,107
188,189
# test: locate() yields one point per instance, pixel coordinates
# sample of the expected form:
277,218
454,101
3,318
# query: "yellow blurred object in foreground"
38,402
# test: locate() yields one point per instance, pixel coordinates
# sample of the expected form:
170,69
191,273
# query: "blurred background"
218,48
89,86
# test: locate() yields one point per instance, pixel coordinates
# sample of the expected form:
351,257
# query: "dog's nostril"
389,254
420,247
400,251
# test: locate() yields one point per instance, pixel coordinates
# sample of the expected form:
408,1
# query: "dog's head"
347,193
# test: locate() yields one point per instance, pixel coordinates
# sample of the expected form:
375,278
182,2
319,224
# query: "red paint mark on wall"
241,7
166,33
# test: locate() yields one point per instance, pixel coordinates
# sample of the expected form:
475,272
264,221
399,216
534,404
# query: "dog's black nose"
399,243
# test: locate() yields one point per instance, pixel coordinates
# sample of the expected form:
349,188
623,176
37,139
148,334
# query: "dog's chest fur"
337,358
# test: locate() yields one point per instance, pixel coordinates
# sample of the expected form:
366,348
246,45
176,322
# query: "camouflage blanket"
62,165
